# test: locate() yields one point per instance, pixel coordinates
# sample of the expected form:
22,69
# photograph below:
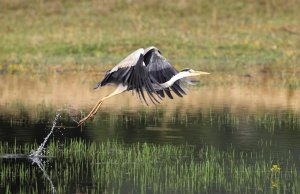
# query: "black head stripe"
186,69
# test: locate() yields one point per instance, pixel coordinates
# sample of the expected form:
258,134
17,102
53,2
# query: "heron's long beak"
195,73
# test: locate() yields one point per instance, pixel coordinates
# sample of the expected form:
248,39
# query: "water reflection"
14,159
40,164
36,156
276,130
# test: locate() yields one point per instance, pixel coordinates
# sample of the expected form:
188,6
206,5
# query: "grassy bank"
236,37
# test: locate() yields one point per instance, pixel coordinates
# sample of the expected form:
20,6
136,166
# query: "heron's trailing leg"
119,90
91,114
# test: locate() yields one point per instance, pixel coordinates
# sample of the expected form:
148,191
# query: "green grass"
110,166
235,37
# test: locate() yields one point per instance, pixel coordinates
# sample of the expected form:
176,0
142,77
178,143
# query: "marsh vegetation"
80,166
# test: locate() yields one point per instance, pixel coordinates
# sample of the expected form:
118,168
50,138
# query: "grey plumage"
162,71
143,69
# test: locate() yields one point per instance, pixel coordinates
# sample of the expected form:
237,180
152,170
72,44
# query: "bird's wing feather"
129,61
121,70
161,71
139,80
132,72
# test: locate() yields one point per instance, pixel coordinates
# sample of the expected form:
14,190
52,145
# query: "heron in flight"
145,70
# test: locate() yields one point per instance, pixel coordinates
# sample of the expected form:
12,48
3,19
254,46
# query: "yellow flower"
275,168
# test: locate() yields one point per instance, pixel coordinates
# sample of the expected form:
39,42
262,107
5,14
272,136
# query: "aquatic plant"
115,167
275,168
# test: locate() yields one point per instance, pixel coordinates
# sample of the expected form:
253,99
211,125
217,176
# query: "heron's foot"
91,114
85,119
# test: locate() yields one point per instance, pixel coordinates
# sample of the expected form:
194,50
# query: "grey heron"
145,70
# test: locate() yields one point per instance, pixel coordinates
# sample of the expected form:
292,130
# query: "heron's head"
191,72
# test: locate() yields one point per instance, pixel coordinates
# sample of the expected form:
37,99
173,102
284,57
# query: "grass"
237,37
112,167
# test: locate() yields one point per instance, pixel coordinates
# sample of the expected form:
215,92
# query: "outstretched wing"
131,72
162,71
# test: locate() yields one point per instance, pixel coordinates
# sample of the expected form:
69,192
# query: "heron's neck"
174,79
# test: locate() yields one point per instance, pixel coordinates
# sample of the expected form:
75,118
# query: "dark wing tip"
97,85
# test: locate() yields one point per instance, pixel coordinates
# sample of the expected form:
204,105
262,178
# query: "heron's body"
145,71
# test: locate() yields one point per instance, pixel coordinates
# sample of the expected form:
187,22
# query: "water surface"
245,118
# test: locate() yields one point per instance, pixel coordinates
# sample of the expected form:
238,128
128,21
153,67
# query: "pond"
237,138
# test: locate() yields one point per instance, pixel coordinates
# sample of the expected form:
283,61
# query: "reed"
116,167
